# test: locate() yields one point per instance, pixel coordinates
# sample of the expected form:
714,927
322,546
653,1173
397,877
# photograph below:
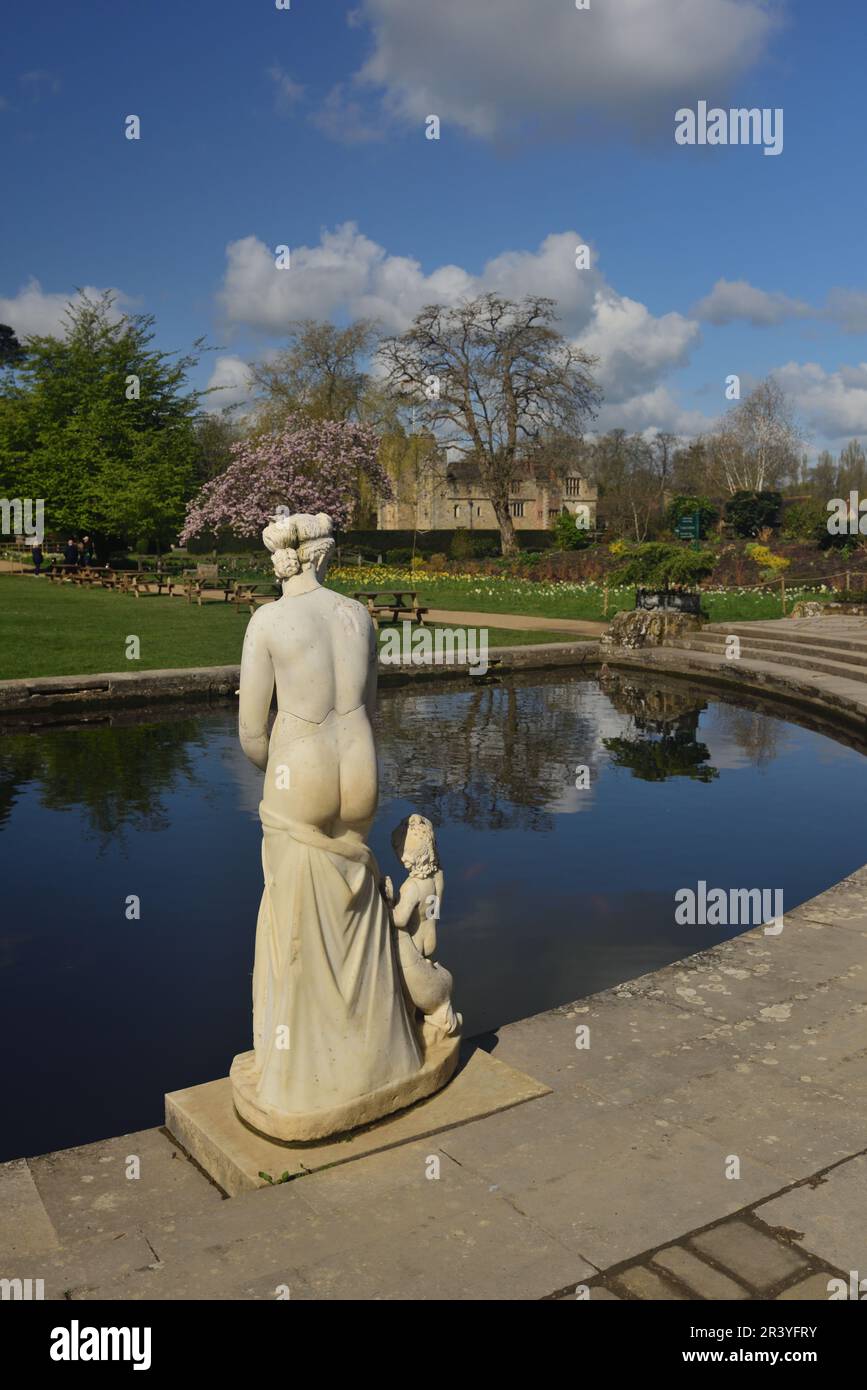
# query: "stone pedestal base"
203,1120
440,1060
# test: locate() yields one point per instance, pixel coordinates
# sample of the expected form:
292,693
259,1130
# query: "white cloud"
490,68
833,404
731,300
344,118
634,348
34,311
231,382
652,412
287,90
349,274
848,308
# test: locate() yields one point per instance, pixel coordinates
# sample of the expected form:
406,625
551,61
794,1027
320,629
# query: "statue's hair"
419,832
297,540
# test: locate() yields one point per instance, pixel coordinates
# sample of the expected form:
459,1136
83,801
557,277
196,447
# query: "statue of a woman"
334,1045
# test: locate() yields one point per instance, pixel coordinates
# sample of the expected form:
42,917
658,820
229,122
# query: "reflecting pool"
569,811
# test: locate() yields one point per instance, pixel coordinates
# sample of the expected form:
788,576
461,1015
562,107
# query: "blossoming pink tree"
308,466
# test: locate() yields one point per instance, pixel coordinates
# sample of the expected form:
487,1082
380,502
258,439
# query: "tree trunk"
508,539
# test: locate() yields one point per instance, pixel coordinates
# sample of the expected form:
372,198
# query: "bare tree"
494,379
756,445
319,373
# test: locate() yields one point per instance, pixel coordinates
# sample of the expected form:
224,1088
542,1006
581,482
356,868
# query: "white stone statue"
335,1040
415,915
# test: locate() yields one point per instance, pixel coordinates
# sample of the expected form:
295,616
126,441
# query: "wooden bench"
392,604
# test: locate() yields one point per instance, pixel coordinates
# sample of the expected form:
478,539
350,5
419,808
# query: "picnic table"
247,595
194,583
400,603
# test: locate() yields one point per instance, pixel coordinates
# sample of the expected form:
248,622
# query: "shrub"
686,506
568,535
462,544
805,521
749,512
659,565
770,566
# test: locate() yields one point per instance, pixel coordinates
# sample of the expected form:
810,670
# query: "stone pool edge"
50,695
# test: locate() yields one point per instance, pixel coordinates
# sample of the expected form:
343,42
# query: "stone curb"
49,694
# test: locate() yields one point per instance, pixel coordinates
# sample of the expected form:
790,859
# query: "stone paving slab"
87,1268
757,1259
204,1121
787,1126
611,1181
25,1226
828,1219
701,1279
411,1236
87,1193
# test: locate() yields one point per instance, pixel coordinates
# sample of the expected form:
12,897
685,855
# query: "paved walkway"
518,622
709,1142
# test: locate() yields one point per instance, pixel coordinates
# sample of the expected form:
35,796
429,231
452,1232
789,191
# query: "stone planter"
668,601
645,628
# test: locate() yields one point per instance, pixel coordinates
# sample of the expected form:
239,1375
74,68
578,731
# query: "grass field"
57,630
491,594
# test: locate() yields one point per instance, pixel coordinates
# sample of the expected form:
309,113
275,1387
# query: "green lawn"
491,594
57,630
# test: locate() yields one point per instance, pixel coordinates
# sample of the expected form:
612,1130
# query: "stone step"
847,694
797,636
774,650
789,661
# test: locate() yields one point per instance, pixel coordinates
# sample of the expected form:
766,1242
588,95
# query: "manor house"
452,495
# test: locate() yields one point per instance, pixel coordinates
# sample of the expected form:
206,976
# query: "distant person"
89,552
79,554
70,553
36,552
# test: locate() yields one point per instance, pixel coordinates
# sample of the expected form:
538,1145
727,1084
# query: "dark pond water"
552,892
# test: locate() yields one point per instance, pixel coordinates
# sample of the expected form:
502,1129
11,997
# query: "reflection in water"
115,777
662,742
553,891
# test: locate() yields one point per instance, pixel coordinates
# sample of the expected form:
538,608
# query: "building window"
478,511
573,487
457,510
516,508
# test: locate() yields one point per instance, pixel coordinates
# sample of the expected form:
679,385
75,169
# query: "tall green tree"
102,425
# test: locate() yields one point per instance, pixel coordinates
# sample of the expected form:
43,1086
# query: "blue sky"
307,127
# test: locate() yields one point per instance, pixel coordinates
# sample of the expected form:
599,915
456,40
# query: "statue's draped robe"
330,1019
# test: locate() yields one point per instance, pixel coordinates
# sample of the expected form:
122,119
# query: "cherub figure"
415,914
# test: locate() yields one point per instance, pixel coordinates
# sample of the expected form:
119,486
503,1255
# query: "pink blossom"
308,466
